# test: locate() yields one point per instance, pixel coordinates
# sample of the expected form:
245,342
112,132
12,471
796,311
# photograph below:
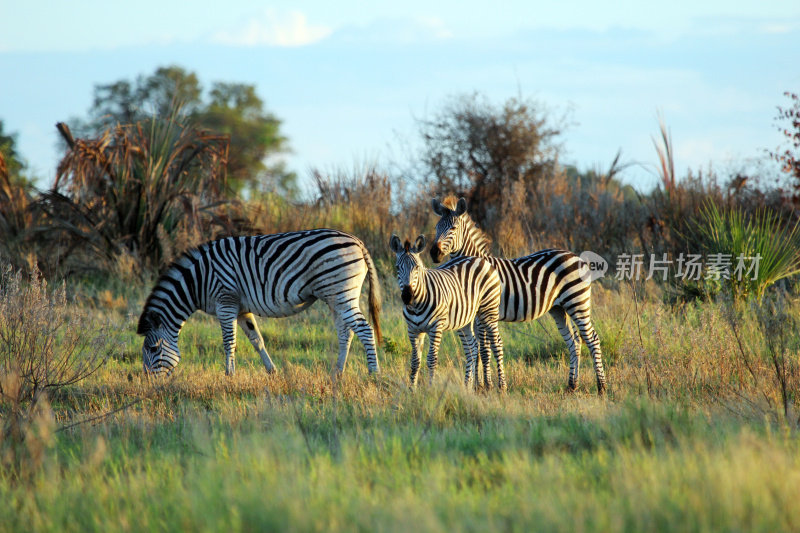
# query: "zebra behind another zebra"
452,297
279,275
554,281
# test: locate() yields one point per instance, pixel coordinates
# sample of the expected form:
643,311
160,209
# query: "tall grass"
685,440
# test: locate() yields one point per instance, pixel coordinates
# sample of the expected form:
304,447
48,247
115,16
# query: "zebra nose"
405,294
436,253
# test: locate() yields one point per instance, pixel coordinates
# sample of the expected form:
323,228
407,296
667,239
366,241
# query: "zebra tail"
374,296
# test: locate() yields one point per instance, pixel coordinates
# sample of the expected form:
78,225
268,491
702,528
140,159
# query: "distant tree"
480,150
126,102
789,156
236,110
13,165
232,109
16,198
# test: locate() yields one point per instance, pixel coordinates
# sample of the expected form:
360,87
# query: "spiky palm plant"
134,184
761,235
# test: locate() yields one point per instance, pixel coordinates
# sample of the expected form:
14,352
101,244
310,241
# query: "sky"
350,83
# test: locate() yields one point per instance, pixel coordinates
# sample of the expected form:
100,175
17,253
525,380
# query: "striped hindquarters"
533,284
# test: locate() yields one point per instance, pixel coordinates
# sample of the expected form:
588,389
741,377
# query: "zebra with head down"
236,278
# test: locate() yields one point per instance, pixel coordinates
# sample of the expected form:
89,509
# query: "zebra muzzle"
405,294
436,253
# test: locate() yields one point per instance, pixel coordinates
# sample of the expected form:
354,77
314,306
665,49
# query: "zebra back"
272,274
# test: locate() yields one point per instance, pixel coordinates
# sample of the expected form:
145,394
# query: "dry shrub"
45,345
132,189
364,201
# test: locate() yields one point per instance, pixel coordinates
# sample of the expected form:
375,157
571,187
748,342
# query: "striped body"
459,295
550,281
278,275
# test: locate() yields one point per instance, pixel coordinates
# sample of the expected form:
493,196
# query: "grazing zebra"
554,281
454,296
279,275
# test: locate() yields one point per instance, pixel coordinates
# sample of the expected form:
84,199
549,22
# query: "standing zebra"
268,275
454,296
554,281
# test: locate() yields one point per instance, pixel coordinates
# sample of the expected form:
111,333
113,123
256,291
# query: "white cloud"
273,28
397,31
777,28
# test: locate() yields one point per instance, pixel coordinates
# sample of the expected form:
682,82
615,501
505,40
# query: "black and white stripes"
554,281
277,275
452,297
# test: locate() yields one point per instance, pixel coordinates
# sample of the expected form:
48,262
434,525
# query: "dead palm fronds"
134,184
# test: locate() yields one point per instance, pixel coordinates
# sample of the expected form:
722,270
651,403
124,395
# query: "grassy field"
692,436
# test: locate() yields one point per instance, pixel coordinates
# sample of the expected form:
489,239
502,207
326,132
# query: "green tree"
16,198
231,109
13,165
236,110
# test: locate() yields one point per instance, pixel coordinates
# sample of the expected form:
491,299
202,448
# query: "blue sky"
349,81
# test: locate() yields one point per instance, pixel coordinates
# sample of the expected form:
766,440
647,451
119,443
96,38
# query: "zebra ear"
461,206
419,245
438,208
395,244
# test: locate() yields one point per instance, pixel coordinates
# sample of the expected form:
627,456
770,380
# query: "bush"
134,189
44,345
761,238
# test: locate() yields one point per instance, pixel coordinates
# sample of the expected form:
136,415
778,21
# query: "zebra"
452,297
552,280
279,275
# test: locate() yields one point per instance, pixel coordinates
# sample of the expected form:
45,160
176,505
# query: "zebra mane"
450,202
479,238
150,319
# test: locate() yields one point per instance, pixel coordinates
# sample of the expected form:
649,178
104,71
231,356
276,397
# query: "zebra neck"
172,302
476,243
171,321
420,300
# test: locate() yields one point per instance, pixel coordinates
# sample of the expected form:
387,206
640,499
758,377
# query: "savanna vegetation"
698,430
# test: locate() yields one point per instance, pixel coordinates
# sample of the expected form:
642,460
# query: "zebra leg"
491,331
350,314
345,335
470,345
433,352
247,321
227,320
573,340
414,338
483,343
584,323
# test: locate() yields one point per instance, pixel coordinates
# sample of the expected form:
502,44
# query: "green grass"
686,439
